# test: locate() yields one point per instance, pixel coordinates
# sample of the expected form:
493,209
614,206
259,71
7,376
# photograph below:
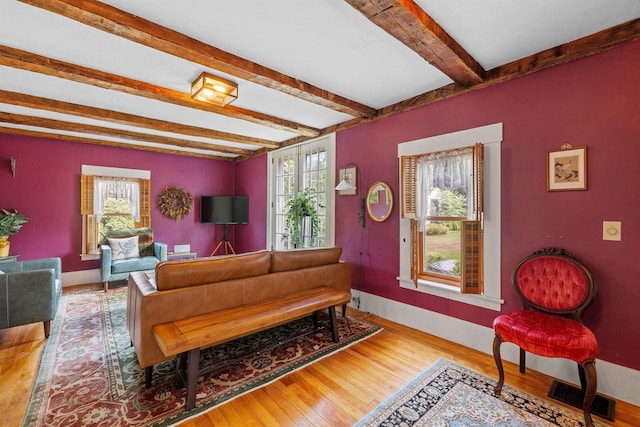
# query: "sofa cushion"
145,238
133,264
124,248
304,258
180,274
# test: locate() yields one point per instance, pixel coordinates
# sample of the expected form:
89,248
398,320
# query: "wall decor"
567,168
175,203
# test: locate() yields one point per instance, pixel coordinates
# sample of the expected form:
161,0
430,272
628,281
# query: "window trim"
107,171
491,137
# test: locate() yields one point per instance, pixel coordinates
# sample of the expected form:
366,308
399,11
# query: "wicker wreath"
175,203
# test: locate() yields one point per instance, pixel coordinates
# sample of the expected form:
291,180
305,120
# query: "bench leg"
192,378
333,323
148,373
344,310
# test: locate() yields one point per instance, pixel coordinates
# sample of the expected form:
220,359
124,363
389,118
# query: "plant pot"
4,246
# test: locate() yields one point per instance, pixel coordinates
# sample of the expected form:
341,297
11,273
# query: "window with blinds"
442,197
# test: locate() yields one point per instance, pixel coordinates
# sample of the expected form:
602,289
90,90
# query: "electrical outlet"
612,230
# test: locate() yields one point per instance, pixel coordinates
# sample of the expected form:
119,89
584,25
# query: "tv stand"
226,242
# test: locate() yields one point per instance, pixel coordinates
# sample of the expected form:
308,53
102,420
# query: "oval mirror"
379,201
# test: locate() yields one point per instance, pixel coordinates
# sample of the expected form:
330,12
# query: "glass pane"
442,248
107,223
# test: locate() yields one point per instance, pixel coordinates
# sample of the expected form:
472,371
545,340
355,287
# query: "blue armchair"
29,292
119,256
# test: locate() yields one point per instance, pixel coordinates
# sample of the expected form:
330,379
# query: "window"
112,199
450,218
442,193
306,167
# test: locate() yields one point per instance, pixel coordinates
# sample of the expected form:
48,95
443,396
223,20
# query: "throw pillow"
124,248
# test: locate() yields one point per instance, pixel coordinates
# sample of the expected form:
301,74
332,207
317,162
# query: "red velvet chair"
555,289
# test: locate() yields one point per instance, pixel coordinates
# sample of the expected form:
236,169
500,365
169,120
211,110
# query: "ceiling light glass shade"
214,89
345,184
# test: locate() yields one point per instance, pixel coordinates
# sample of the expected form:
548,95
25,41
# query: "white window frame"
329,143
109,172
491,137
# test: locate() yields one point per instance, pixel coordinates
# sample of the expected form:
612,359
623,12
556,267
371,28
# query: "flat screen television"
224,209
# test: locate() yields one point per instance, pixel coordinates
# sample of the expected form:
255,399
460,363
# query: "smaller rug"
451,395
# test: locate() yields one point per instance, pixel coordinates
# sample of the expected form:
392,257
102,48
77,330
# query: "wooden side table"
171,256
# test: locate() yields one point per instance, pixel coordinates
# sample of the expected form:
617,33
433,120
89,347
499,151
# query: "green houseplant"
300,212
11,222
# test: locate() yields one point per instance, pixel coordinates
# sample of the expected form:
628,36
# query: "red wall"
593,102
46,188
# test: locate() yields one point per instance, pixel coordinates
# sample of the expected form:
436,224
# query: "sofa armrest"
160,250
44,263
32,296
105,262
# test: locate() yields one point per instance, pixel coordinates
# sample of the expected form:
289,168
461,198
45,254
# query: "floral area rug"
451,395
89,374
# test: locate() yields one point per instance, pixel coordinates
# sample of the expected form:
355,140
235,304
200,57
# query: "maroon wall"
46,188
593,102
251,180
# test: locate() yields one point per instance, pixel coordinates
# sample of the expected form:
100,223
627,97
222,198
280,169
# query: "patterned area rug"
451,395
89,373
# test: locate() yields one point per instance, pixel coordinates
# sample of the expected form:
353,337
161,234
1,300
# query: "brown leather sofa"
182,289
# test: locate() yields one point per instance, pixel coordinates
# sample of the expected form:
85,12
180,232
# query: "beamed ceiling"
119,72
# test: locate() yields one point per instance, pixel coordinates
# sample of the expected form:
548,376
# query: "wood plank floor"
335,391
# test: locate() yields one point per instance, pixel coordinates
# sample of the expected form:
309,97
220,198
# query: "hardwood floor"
335,391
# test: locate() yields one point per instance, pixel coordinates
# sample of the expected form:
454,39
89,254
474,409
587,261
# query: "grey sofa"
150,252
29,292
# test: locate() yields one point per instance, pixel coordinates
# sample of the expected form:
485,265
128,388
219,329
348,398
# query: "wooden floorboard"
335,391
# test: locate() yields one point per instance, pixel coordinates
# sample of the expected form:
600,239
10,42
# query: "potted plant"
11,222
300,216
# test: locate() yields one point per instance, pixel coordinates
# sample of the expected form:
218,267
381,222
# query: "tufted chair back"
552,281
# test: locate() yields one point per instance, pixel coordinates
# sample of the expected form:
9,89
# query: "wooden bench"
186,337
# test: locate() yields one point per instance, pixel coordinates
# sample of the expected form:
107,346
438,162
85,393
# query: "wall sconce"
348,186
12,164
214,89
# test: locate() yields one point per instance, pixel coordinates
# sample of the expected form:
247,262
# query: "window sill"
452,293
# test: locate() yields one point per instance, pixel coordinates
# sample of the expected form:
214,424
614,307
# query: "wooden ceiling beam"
73,138
118,22
14,98
571,51
28,61
24,120
407,22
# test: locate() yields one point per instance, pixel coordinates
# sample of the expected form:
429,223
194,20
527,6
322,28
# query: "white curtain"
436,172
117,188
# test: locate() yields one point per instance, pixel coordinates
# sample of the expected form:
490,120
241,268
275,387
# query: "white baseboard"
82,277
615,381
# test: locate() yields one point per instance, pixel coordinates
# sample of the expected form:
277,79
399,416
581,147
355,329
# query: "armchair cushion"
547,335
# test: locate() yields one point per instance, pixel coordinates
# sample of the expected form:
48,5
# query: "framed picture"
567,169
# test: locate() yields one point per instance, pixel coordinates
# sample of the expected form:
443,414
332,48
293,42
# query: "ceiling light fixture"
214,89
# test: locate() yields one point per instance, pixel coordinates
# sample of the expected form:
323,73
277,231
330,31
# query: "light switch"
612,230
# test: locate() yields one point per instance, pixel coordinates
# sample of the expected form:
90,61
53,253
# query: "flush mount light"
214,89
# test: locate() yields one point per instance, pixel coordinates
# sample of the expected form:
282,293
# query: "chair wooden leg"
589,380
496,355
106,286
47,328
523,360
